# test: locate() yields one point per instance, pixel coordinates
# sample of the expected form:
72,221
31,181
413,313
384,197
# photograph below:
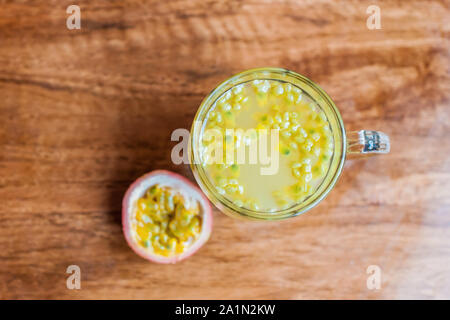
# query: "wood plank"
85,112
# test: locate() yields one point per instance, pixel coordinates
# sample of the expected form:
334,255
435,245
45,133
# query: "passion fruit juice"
304,148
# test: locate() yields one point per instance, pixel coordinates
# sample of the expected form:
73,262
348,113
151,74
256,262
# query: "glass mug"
363,142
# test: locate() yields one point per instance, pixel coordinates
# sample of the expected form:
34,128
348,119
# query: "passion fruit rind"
165,217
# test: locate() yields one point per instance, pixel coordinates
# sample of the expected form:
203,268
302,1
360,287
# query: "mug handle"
367,143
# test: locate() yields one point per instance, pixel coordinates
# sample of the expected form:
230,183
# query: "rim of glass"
225,204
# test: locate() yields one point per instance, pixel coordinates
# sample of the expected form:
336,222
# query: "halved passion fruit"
165,217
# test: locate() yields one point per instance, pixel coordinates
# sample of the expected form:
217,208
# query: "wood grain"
85,112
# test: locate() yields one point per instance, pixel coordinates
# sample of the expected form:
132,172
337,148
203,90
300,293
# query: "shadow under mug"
355,143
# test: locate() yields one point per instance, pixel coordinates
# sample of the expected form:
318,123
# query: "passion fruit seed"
305,136
164,223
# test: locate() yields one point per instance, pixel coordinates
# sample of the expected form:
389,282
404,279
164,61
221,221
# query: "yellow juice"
304,147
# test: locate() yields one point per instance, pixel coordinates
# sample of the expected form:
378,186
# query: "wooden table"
85,112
